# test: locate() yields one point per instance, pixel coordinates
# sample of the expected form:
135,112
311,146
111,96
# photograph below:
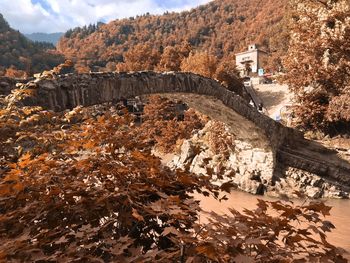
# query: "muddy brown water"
340,213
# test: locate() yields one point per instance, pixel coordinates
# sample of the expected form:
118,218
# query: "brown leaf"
136,215
228,186
207,250
170,230
243,259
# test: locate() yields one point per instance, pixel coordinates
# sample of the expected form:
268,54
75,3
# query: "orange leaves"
4,190
201,63
176,199
11,184
136,215
255,236
161,125
208,250
101,119
26,92
24,161
12,175
89,145
316,71
149,37
93,190
227,187
186,179
30,110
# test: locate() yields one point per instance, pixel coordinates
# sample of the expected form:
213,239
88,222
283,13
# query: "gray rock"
187,152
313,192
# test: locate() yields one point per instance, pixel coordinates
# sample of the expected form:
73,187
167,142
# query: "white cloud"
64,14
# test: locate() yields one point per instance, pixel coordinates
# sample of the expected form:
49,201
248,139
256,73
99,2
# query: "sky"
48,16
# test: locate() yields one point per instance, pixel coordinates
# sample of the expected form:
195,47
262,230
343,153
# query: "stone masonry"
290,149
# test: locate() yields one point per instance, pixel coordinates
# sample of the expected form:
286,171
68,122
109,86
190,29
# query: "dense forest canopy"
318,71
222,28
20,57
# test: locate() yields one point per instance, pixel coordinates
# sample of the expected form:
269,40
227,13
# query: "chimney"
252,47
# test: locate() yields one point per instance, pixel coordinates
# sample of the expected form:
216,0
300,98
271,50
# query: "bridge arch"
288,146
70,90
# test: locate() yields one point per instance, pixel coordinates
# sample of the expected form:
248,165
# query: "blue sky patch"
31,17
44,4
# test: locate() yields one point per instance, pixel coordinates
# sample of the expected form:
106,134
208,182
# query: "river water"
340,213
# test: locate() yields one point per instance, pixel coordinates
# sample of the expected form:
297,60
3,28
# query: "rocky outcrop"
8,84
248,167
288,147
296,182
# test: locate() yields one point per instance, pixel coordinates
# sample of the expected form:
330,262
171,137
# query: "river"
340,213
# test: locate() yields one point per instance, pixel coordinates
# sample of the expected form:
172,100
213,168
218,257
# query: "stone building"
249,62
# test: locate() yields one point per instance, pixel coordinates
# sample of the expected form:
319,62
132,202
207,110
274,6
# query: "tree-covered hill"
44,37
221,27
20,56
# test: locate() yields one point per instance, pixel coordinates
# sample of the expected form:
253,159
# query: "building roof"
250,51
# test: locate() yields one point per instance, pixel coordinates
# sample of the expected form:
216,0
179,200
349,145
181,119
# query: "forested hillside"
44,37
20,56
221,27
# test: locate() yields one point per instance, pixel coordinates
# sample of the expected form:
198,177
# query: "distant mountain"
44,37
20,56
222,27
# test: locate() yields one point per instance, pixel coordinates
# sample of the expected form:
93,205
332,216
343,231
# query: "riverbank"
216,151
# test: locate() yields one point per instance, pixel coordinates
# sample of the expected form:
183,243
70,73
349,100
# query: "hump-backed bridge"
289,147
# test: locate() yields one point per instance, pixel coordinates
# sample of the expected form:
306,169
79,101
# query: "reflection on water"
340,213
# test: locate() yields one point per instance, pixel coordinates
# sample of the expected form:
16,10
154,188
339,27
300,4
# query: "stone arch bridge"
288,146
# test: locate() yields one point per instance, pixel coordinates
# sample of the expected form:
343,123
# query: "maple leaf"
319,207
228,186
170,230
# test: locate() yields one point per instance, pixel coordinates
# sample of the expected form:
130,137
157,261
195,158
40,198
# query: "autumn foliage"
317,71
84,186
221,27
20,57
